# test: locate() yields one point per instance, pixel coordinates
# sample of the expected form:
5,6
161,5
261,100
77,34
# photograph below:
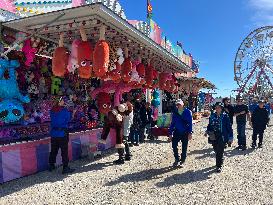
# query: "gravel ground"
247,178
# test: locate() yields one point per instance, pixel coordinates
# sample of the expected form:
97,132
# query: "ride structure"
253,63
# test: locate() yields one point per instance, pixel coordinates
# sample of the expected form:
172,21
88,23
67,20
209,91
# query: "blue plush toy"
156,98
11,109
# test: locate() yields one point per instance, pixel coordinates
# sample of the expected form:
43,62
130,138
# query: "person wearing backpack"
220,132
180,130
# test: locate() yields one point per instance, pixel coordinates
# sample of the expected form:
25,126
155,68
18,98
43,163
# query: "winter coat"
60,118
260,118
225,126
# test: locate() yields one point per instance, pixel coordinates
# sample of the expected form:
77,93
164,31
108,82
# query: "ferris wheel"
253,65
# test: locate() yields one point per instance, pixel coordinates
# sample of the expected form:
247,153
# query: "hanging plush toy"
101,55
126,67
60,59
55,85
141,72
73,58
20,37
114,120
149,75
155,79
156,98
104,102
85,56
29,52
163,80
11,109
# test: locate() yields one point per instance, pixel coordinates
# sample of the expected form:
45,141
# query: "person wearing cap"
114,119
259,120
180,130
241,113
60,118
220,132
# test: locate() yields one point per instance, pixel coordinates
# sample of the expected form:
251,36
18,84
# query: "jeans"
241,130
135,134
176,139
257,132
219,147
56,143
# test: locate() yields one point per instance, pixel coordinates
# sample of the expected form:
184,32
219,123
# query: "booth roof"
200,81
49,25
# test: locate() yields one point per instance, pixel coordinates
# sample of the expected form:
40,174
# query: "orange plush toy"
101,55
126,67
85,56
141,72
149,75
60,59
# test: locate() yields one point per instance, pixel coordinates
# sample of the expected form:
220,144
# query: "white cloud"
263,12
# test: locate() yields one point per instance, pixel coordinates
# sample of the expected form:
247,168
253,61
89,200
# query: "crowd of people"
136,120
219,129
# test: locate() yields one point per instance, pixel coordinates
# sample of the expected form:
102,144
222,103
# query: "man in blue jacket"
60,118
180,130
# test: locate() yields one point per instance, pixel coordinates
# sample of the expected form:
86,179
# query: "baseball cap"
180,102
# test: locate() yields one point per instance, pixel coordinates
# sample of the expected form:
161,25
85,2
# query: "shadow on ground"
144,175
209,153
187,177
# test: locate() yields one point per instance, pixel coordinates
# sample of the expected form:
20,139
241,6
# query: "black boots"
67,170
51,167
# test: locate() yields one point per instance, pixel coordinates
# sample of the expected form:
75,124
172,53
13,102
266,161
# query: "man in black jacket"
259,121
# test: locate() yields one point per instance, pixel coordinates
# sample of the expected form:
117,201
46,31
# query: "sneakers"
243,148
119,161
253,145
260,145
176,163
51,167
239,147
182,161
67,170
219,169
127,157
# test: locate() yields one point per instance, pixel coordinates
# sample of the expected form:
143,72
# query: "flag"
179,44
149,9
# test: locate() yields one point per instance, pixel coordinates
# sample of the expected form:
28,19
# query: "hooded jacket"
60,118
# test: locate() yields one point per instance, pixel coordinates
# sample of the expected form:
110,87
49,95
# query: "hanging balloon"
101,55
60,59
85,56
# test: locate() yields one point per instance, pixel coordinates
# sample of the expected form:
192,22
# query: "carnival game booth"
90,55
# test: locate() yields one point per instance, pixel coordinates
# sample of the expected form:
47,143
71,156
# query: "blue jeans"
135,134
241,131
176,139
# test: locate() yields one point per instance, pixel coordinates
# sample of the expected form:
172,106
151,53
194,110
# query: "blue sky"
211,30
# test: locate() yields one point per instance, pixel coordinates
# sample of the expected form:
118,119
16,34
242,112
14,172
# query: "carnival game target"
253,66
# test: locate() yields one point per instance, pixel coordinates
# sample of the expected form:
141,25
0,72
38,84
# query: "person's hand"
190,136
170,138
